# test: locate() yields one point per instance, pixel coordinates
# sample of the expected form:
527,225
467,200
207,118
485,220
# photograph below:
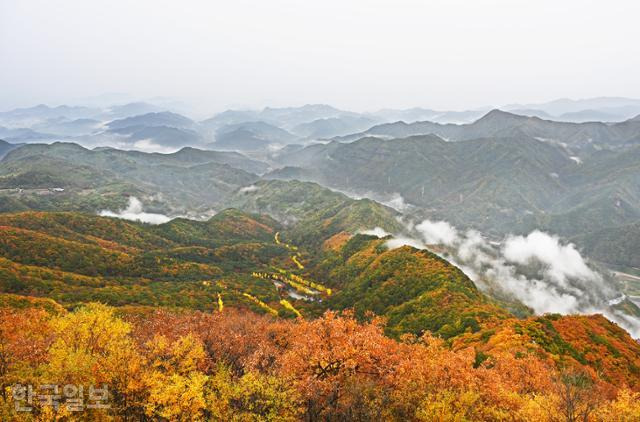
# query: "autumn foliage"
231,365
215,321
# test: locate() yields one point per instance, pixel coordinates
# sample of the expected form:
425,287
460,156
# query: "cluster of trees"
87,228
227,227
39,249
417,290
242,366
444,352
75,258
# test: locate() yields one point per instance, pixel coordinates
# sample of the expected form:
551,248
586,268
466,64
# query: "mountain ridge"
578,135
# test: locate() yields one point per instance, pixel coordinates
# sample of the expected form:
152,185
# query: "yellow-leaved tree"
93,347
253,396
176,379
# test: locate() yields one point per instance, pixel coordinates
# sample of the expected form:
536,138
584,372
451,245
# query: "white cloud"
561,261
537,293
438,232
538,270
134,212
396,202
248,189
398,242
376,231
147,145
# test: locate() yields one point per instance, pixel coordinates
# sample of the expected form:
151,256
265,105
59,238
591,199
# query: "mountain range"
498,123
340,248
150,127
501,173
511,184
608,109
498,184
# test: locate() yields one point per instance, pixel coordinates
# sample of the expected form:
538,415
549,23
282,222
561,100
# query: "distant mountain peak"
162,118
496,112
497,115
162,113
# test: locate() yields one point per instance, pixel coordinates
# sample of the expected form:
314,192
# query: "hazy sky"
361,55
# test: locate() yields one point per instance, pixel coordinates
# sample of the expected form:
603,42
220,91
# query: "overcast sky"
360,55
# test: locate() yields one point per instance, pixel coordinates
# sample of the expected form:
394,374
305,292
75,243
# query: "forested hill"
248,261
87,180
313,212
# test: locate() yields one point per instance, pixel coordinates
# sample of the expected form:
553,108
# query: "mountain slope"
77,257
417,290
250,136
333,126
312,212
5,147
42,172
614,245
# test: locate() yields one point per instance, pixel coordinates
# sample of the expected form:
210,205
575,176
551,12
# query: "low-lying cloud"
247,189
376,231
148,145
561,261
134,212
439,232
393,200
538,270
397,202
